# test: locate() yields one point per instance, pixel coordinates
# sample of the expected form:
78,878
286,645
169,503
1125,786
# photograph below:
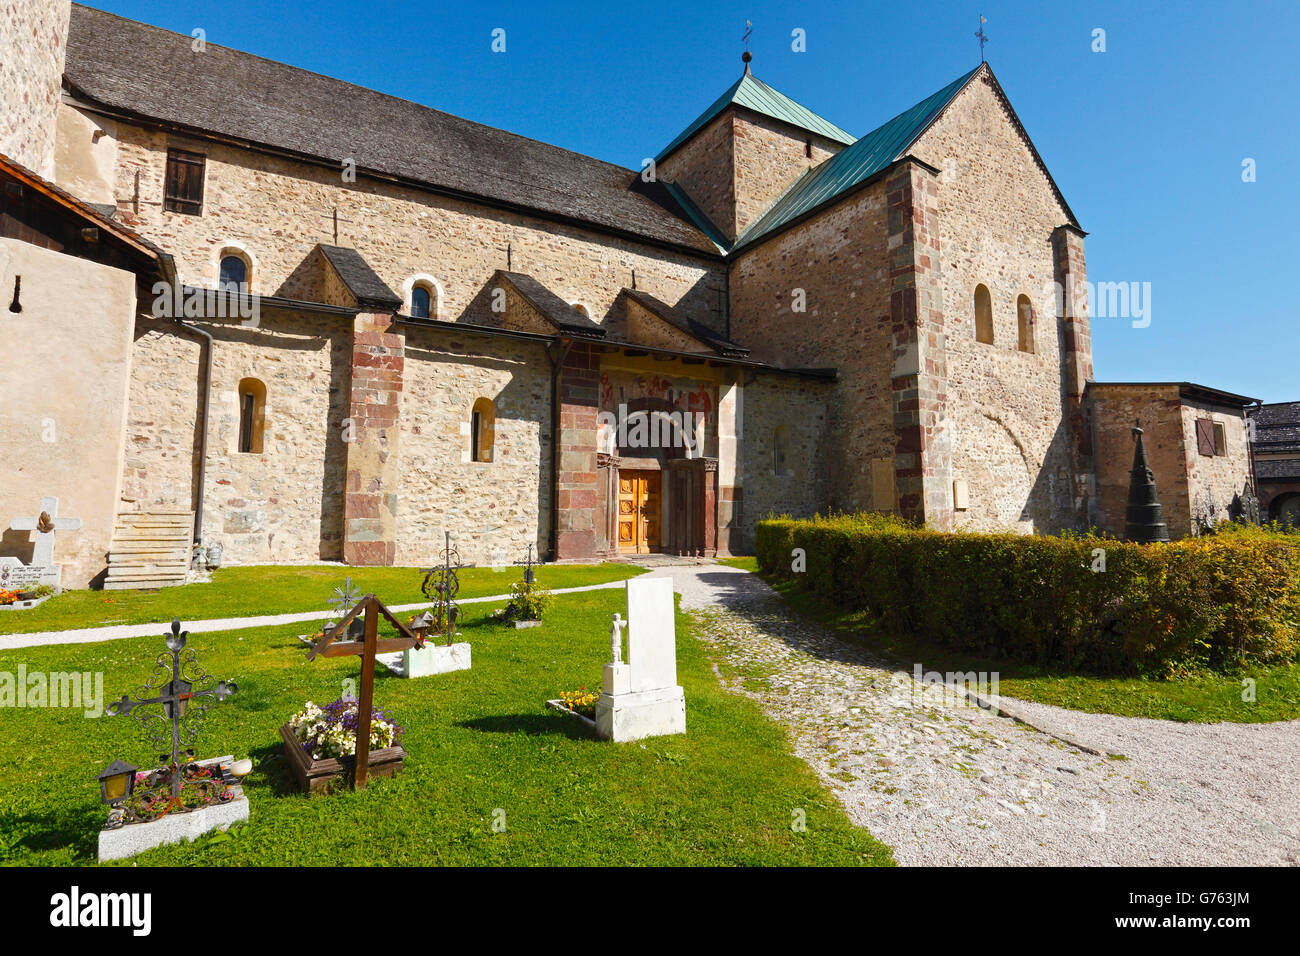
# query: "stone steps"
150,549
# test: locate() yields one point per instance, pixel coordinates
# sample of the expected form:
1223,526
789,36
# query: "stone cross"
45,524
616,640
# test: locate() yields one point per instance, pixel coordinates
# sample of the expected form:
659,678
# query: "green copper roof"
754,94
854,164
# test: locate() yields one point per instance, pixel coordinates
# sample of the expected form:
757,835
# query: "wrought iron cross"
182,674
982,36
441,586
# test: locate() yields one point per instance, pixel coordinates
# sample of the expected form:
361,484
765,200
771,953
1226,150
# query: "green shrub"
1219,601
528,601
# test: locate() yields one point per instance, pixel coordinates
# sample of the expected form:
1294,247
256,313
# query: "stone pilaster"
1071,277
1072,305
576,489
730,477
371,434
922,441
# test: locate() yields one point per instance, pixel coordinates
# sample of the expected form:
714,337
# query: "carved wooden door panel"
638,511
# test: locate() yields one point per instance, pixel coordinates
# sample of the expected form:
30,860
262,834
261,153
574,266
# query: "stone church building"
321,322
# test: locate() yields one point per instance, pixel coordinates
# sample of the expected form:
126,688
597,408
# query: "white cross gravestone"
641,698
42,570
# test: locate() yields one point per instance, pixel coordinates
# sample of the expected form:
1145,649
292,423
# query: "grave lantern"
116,781
422,625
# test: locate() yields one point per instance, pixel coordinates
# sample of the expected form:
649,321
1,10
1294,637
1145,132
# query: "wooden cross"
368,647
45,524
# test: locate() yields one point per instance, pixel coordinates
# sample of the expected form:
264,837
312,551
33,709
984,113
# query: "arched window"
234,273
482,430
781,450
423,295
420,300
1025,323
252,415
983,315
582,309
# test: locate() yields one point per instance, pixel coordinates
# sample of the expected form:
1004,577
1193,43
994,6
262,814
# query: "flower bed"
577,703
1082,601
321,744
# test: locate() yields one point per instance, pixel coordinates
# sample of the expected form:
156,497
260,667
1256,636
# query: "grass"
1198,697
479,742
278,589
745,564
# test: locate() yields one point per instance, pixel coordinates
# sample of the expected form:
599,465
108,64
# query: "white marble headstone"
651,633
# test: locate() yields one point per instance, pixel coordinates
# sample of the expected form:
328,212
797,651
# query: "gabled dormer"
745,150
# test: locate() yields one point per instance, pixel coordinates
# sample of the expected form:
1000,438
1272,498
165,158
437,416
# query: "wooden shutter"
183,189
1205,436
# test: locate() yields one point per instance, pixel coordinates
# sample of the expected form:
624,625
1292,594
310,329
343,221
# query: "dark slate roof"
1278,469
361,280
144,71
875,152
550,306
1277,427
753,94
686,324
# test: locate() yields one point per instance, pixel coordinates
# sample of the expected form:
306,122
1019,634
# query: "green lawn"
1203,697
478,741
278,589
745,564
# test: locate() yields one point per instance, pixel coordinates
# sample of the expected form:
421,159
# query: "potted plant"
528,602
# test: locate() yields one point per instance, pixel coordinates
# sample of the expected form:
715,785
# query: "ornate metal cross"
982,36
441,585
345,598
175,683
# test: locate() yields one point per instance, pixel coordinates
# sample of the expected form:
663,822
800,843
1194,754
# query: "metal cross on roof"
172,685
982,36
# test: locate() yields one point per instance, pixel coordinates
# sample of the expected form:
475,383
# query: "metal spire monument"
1144,519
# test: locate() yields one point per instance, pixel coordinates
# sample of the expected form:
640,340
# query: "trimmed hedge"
1220,601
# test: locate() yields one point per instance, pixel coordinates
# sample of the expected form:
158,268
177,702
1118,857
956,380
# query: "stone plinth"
135,838
430,659
636,715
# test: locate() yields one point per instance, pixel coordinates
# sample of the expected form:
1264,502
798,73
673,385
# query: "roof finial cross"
747,56
982,36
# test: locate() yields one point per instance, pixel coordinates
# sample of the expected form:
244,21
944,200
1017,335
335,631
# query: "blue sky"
1146,139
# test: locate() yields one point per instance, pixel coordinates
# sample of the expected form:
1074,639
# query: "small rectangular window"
1220,439
183,188
247,404
475,431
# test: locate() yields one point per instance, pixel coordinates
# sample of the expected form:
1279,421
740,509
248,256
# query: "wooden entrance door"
638,512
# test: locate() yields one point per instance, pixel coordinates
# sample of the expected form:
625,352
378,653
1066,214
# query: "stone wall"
33,39
1187,481
493,509
736,166
278,209
63,404
1213,481
770,155
801,408
704,167
283,504
996,216
836,266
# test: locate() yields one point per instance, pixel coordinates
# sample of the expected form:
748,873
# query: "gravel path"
944,782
